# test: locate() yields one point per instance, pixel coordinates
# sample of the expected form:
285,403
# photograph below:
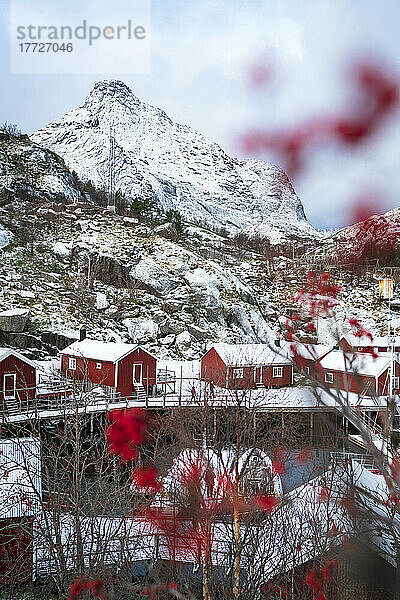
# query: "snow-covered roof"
362,363
252,462
94,349
251,354
365,341
297,532
307,351
6,352
20,477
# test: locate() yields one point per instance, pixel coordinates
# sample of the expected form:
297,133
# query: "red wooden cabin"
125,370
17,377
246,366
359,373
378,344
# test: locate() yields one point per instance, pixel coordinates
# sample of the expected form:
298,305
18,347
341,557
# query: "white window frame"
328,377
257,374
396,383
277,372
237,372
14,394
307,370
99,366
71,364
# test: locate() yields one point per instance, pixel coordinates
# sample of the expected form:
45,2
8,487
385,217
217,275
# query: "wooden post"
205,384
311,428
180,389
343,426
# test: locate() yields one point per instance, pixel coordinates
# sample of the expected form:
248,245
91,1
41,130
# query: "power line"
111,169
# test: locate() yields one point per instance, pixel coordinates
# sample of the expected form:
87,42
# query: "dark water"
296,474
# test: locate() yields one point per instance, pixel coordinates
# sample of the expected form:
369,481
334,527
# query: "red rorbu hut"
124,370
17,378
246,366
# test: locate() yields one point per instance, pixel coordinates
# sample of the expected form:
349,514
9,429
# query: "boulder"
110,270
167,230
27,294
147,275
4,237
170,326
62,250
198,332
101,301
14,320
159,317
183,341
130,221
168,340
172,306
141,331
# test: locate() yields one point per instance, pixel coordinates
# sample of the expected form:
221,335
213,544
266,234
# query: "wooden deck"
65,403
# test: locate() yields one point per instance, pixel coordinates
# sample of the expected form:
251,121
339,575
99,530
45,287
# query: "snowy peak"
107,92
112,88
114,135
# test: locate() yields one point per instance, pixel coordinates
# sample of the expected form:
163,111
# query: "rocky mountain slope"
26,169
129,282
153,157
71,262
126,281
376,237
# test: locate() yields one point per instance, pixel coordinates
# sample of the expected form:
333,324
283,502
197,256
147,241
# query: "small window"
277,372
328,377
98,365
307,370
237,373
396,383
72,364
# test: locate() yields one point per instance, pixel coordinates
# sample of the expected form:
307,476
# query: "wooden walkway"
281,400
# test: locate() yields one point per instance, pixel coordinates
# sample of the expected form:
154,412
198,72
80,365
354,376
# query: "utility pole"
386,292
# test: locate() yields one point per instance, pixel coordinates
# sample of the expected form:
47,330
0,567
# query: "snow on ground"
14,312
188,368
48,366
4,237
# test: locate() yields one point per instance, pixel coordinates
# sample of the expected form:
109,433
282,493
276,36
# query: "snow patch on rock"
4,237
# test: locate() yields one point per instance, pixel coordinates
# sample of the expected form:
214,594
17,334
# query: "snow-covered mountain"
173,164
375,237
